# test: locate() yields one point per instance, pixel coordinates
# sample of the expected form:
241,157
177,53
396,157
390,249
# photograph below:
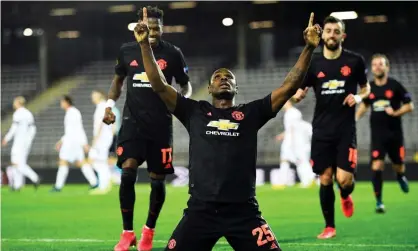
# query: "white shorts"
286,152
71,152
19,154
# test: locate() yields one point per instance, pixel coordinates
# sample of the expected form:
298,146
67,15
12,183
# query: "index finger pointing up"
310,24
144,15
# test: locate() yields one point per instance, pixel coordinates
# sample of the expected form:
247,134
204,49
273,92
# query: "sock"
127,197
28,172
157,198
399,176
88,172
10,174
327,198
62,175
305,173
104,174
377,185
345,192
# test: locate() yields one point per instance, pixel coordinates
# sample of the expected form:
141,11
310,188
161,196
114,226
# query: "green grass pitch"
74,220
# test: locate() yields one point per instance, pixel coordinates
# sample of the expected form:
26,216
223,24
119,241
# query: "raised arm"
294,78
156,77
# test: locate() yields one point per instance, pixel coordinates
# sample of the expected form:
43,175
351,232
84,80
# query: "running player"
146,133
389,101
22,132
295,149
223,153
102,140
334,76
72,146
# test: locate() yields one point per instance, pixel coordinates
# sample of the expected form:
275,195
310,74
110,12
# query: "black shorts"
340,152
158,152
204,223
390,143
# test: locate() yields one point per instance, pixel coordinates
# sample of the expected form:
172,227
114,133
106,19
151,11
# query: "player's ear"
236,89
344,36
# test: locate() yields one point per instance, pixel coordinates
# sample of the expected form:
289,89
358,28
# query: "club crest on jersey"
345,71
162,64
333,87
380,105
388,94
224,127
237,115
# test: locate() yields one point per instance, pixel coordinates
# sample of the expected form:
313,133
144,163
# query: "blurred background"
55,48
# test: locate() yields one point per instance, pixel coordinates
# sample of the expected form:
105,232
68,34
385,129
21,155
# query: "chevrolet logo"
224,125
141,77
333,84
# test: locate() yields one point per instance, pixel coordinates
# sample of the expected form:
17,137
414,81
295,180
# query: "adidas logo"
321,74
134,63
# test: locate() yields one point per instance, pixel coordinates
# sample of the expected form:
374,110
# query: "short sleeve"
309,79
184,109
404,95
263,110
181,70
361,72
120,67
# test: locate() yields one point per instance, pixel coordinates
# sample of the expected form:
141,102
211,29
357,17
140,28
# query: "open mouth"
225,85
152,39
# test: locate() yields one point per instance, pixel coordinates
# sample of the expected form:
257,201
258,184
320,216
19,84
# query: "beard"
332,47
224,95
379,75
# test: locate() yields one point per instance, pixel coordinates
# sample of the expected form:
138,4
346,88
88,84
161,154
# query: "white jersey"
73,128
23,129
303,135
101,132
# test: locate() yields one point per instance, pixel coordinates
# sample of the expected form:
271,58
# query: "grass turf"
74,220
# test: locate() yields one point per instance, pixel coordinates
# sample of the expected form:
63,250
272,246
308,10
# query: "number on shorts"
352,157
167,158
261,232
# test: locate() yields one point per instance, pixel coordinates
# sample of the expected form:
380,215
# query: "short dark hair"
67,99
334,20
380,55
154,12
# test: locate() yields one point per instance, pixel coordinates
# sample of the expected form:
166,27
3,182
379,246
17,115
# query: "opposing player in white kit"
72,146
295,149
102,140
22,132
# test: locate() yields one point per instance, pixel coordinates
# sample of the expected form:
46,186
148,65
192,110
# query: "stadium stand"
253,84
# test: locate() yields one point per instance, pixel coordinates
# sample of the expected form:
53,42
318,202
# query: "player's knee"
326,177
128,176
156,176
398,168
378,165
130,164
345,180
62,162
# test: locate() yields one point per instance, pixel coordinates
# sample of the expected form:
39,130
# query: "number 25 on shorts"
261,232
167,156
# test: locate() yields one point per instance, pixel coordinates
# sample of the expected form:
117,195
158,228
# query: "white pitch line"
225,243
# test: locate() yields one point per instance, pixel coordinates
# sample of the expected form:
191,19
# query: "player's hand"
141,30
350,100
300,94
58,145
389,111
4,142
109,117
312,33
